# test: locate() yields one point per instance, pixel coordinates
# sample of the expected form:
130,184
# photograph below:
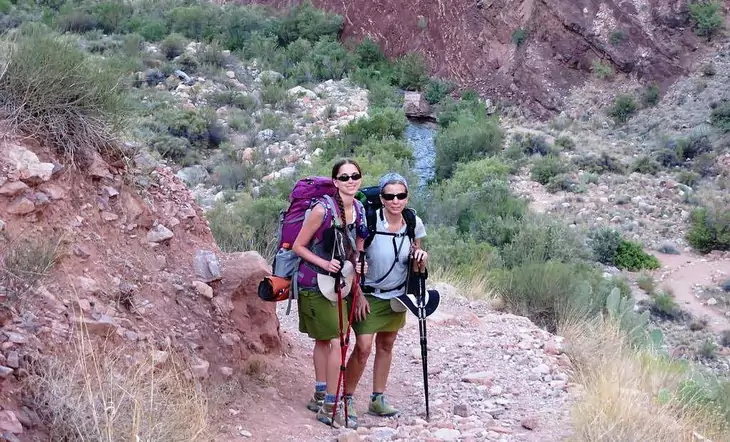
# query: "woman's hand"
362,307
362,270
332,266
420,256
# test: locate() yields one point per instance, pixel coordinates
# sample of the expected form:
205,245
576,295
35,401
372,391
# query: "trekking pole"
421,299
342,345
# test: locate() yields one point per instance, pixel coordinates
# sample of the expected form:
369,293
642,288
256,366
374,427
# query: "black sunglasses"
392,196
345,178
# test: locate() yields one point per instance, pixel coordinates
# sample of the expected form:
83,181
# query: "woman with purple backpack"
330,242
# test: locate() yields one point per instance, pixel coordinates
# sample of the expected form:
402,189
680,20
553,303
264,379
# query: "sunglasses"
345,178
392,196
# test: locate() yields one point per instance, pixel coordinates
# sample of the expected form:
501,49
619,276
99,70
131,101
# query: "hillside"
529,52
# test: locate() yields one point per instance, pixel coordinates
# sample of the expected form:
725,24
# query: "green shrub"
532,144
709,229
173,45
605,243
565,142
603,163
601,69
706,17
664,305
720,117
622,108
540,239
552,291
617,37
436,90
52,90
464,141
459,255
410,72
545,168
368,53
519,36
450,110
257,233
645,164
307,22
651,96
630,256
177,149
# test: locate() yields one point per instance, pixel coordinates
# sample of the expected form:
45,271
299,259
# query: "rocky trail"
687,275
492,376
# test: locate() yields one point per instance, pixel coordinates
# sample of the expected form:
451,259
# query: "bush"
622,108
651,96
664,305
307,22
368,53
257,233
603,163
544,169
605,243
720,117
173,45
709,230
540,239
706,17
646,165
464,141
630,256
52,90
565,142
436,90
410,72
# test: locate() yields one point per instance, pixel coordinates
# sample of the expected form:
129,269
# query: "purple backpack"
306,193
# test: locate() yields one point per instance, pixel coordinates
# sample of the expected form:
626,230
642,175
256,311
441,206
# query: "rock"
245,433
54,191
158,234
16,338
255,319
298,91
230,74
199,368
13,359
207,267
10,423
31,170
348,435
105,326
2,225
87,286
193,175
269,76
447,434
20,206
462,409
99,168
226,371
5,371
415,105
185,78
481,378
530,422
203,289
13,188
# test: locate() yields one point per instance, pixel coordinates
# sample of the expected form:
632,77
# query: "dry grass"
472,286
96,393
630,394
24,262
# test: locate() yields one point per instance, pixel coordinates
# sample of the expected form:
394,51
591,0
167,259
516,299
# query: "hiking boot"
324,415
380,407
316,401
351,414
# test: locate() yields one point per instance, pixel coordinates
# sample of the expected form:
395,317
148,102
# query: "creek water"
420,135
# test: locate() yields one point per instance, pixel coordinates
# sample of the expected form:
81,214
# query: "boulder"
415,105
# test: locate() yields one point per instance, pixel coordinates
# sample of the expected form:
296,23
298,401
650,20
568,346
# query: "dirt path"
491,376
682,273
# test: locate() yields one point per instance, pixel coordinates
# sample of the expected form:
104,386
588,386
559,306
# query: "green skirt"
318,316
381,318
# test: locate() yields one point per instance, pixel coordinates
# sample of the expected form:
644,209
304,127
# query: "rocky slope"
475,43
135,266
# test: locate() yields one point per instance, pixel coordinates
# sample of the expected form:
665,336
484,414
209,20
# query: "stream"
420,136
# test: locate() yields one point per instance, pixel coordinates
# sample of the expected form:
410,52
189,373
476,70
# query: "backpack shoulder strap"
409,215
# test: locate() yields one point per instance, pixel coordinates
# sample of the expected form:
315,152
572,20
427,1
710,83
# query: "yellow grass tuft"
630,394
117,394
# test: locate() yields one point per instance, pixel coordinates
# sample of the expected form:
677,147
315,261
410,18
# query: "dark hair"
342,162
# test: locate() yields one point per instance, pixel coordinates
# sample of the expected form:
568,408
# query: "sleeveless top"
327,237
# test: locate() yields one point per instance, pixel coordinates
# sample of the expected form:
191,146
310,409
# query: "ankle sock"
348,396
320,387
375,396
329,398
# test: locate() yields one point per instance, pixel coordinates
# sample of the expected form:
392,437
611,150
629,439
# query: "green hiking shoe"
380,407
324,415
316,401
351,414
